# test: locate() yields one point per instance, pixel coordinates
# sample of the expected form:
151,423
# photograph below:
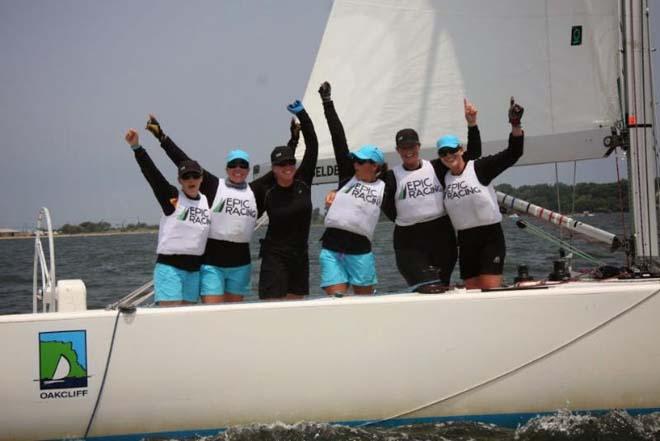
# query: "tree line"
103,227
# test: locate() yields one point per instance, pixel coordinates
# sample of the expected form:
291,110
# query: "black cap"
406,136
189,166
281,154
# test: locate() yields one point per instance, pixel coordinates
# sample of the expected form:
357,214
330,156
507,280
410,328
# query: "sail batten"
398,64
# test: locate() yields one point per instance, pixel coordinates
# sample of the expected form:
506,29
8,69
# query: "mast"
639,118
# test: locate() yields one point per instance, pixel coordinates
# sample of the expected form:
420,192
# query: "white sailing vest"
185,231
356,207
233,214
469,203
418,195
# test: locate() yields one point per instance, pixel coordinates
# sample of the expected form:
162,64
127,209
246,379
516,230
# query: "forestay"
396,64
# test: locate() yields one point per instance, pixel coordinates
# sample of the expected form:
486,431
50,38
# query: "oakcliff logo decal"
419,188
235,207
63,363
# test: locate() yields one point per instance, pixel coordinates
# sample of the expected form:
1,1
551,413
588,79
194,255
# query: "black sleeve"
473,150
339,144
308,164
162,189
209,185
388,206
292,143
489,167
259,187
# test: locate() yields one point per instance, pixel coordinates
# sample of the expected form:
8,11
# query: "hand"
330,198
324,91
515,113
294,128
154,127
470,113
132,137
295,107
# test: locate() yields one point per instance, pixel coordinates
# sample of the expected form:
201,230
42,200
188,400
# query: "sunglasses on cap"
192,175
240,163
361,161
287,162
444,152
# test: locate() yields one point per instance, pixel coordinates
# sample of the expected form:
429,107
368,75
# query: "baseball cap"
407,136
370,152
189,166
282,154
238,154
448,142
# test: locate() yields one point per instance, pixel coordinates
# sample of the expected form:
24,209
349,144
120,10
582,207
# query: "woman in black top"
285,195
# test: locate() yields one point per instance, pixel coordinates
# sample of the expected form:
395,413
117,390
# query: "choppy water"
112,266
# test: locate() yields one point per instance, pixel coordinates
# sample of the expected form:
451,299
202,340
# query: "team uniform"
226,264
346,255
285,259
182,236
471,202
423,233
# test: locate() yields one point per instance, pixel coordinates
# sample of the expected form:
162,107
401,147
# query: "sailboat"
581,67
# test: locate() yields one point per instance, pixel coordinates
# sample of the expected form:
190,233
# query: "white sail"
396,64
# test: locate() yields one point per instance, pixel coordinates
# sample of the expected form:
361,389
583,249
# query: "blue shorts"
173,284
217,280
354,269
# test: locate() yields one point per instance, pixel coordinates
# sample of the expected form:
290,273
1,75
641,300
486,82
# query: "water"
112,266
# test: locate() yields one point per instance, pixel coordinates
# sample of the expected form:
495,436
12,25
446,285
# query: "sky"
218,74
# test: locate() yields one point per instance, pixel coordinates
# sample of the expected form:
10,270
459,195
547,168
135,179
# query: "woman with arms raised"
471,203
183,230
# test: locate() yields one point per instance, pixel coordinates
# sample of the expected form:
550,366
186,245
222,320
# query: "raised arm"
339,143
307,166
162,189
473,149
294,128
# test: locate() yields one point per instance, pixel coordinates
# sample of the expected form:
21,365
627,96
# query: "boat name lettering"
459,190
328,170
421,187
64,394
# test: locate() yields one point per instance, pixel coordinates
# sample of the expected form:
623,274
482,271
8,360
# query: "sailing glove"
154,127
294,128
324,91
515,113
295,107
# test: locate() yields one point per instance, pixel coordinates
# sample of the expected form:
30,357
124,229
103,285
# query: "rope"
520,367
105,373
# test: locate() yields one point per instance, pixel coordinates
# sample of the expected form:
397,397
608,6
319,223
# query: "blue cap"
448,142
370,152
237,154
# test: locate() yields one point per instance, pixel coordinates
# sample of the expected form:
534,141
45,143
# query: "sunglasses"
361,161
238,163
287,162
187,176
445,152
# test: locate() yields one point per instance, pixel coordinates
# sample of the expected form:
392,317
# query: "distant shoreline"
106,233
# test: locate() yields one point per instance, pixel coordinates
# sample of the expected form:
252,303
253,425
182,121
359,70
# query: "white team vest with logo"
233,214
185,231
469,203
356,207
418,195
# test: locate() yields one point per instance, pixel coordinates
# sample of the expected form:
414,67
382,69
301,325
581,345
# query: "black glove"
294,128
324,91
515,113
154,127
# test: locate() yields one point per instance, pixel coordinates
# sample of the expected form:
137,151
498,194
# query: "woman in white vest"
424,240
346,258
183,231
471,203
227,268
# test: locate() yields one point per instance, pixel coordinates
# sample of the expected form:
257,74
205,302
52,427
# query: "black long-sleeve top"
289,209
489,167
335,239
165,194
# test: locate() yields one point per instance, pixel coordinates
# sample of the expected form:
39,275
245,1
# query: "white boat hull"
499,356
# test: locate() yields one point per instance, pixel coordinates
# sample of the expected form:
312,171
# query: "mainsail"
396,64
